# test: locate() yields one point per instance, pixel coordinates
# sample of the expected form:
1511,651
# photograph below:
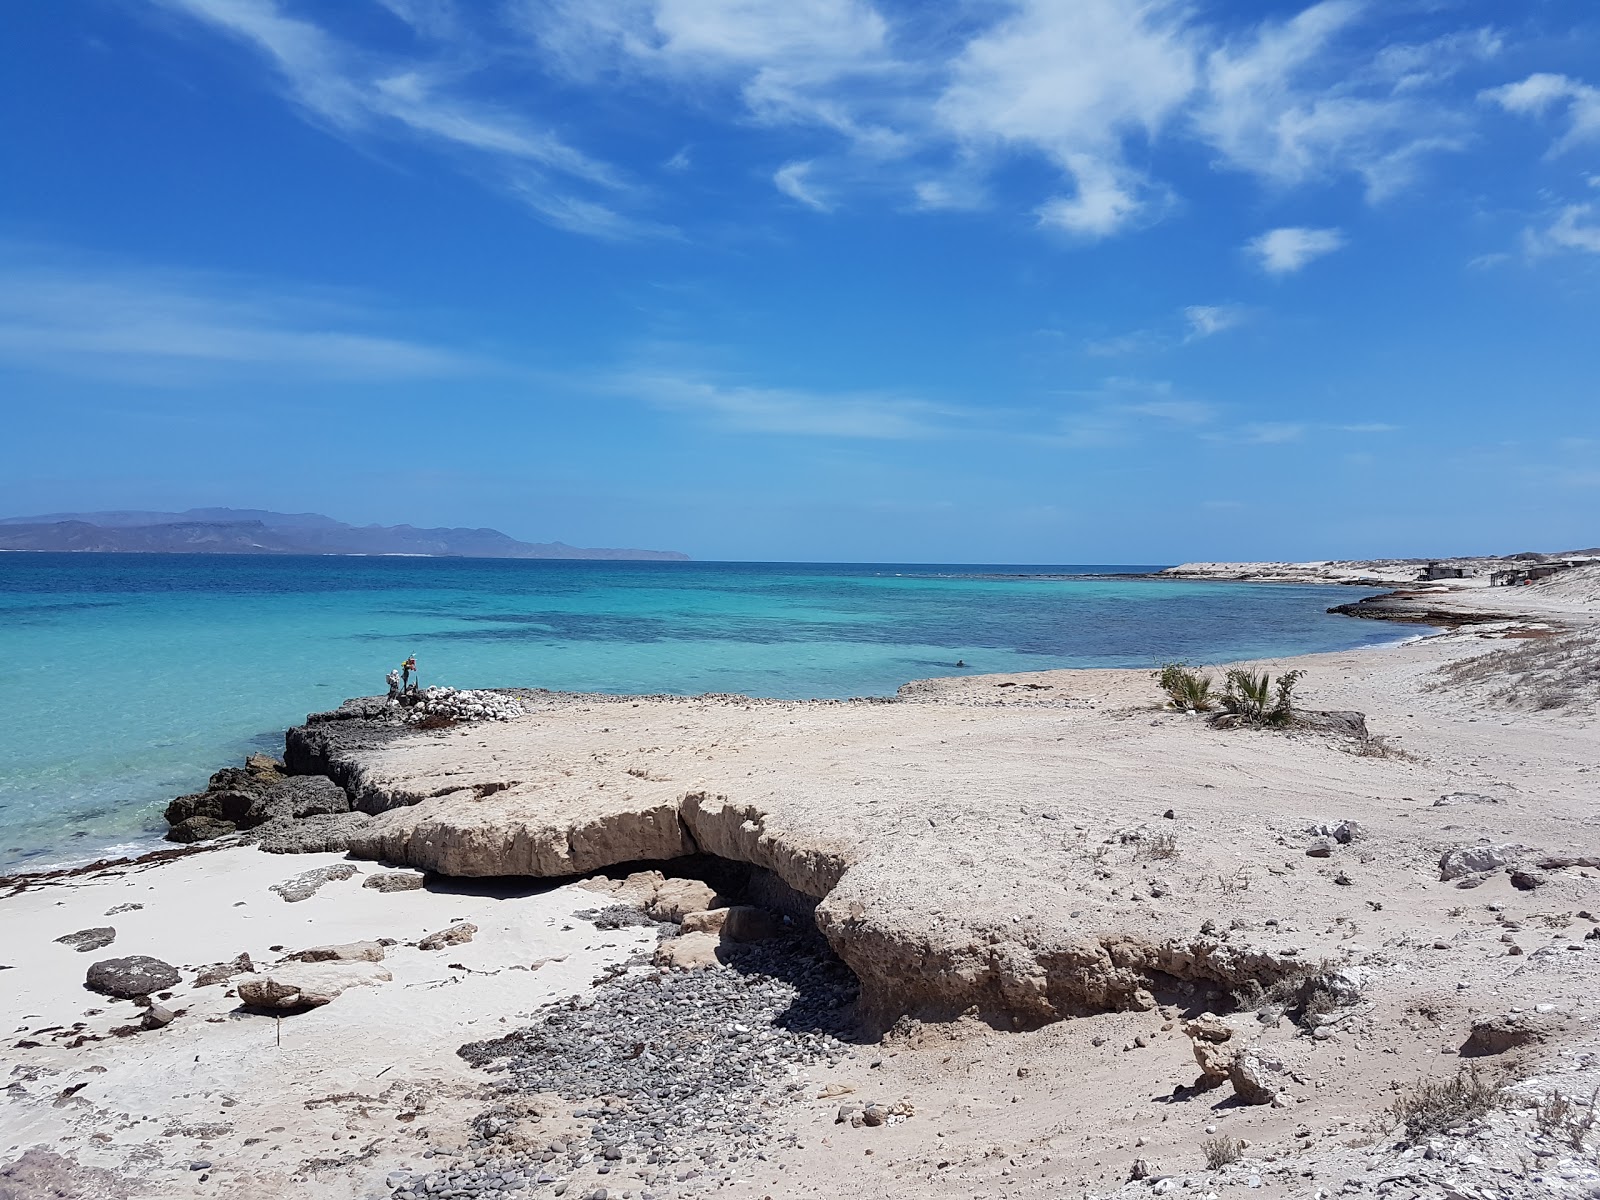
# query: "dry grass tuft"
1157,845
1431,1106
1543,675
1378,746
1221,1151
1568,1119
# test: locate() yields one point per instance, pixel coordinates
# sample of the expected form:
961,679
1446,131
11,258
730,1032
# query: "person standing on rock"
407,670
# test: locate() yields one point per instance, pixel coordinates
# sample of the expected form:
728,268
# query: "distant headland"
259,531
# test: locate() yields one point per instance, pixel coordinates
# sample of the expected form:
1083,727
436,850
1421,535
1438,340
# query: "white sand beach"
1042,882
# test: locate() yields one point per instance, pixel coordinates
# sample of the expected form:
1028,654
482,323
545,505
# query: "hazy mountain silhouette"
259,531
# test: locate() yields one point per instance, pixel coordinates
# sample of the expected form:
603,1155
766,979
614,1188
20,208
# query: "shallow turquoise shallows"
129,678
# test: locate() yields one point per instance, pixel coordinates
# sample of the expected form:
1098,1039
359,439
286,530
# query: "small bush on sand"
1431,1106
1570,1120
1221,1151
1157,845
1188,689
1257,700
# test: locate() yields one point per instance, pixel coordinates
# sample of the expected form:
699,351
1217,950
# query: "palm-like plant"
1187,688
1255,698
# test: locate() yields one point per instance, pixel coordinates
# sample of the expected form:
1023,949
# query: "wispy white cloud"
1368,427
1198,322
1284,251
801,61
789,411
1291,104
916,103
1541,92
1575,227
354,92
179,327
1207,320
439,20
1137,341
1270,433
1122,411
793,180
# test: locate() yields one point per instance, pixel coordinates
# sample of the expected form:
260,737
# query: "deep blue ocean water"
128,679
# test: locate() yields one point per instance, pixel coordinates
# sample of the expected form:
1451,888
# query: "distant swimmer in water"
961,662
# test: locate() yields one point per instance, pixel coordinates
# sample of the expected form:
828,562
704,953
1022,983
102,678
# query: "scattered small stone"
1470,860
304,886
308,985
159,1015
674,1072
1451,799
122,908
1341,832
222,972
456,935
395,881
345,952
89,939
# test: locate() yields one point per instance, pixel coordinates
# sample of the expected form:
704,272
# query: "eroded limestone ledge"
994,843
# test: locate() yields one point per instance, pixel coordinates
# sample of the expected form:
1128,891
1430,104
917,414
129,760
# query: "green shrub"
1256,699
1187,688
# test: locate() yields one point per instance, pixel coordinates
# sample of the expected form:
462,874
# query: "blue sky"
1029,281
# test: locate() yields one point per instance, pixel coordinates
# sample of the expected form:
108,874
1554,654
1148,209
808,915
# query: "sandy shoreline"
982,825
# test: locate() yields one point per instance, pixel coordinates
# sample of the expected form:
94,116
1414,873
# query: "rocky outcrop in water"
245,797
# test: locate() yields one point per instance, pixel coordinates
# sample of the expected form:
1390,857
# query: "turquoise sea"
129,678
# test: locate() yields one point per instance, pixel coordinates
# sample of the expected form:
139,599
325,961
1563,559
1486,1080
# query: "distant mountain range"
257,531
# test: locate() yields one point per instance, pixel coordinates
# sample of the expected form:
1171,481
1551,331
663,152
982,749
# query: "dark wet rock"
246,797
86,940
300,796
200,829
136,975
328,833
329,741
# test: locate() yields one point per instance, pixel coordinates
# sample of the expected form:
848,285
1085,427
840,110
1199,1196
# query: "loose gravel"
673,1078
